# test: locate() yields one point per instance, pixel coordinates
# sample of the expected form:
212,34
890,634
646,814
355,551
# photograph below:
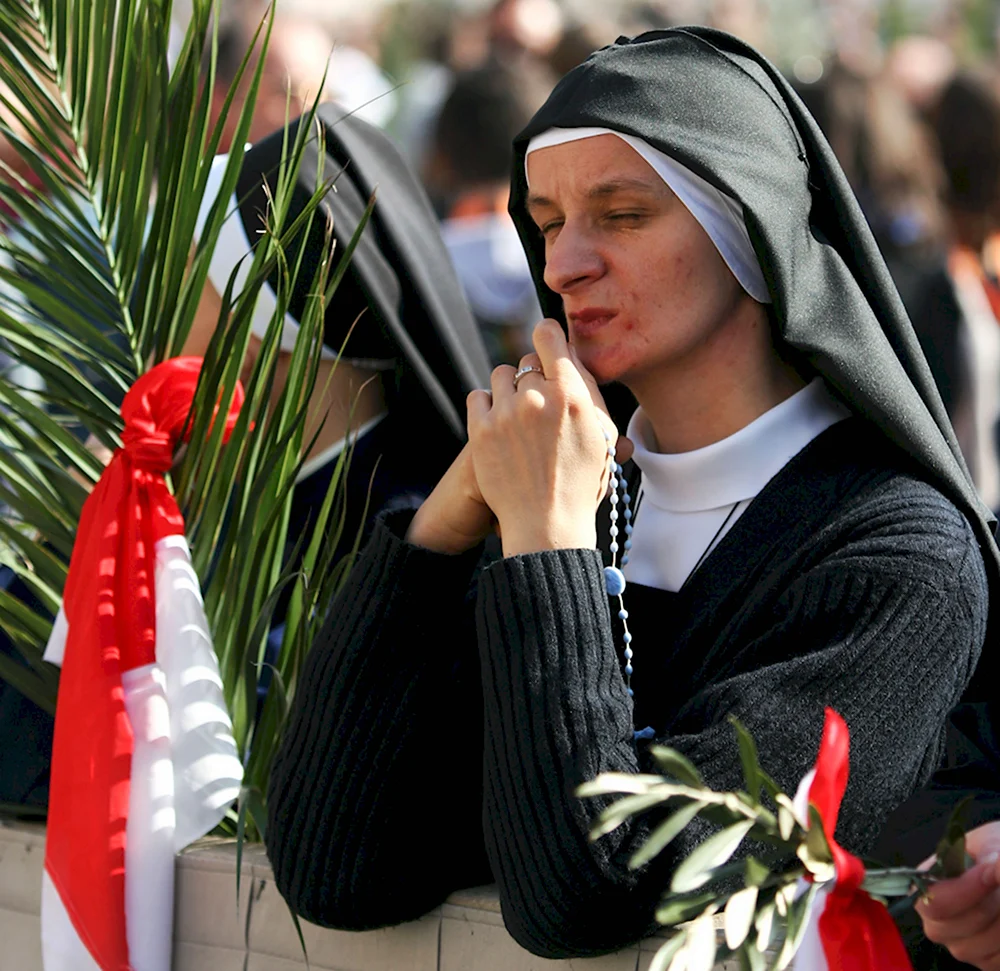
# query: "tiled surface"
464,934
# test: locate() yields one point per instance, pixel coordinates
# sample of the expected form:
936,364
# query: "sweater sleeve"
886,635
374,797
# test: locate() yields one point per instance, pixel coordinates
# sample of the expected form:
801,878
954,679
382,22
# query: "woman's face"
643,287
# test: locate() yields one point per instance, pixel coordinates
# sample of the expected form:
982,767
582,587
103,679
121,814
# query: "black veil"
718,107
400,268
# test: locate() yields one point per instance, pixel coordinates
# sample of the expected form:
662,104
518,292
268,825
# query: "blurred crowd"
913,117
906,91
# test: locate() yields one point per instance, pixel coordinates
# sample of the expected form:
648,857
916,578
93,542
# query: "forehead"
579,165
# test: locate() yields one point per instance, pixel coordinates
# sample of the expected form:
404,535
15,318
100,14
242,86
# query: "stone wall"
215,932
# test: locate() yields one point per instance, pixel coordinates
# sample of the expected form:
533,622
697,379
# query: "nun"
796,529
400,346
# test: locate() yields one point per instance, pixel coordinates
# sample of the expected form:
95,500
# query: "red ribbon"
110,605
857,932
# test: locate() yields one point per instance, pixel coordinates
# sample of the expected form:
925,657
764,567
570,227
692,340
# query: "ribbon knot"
156,409
109,604
110,614
149,449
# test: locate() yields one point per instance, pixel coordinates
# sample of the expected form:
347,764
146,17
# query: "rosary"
614,579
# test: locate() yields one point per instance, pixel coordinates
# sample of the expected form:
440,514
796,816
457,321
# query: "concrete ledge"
213,931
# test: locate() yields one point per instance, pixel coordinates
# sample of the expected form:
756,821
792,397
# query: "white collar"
738,467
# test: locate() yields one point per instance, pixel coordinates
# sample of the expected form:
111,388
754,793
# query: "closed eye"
627,217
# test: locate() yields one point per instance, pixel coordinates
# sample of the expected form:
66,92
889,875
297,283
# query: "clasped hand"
536,464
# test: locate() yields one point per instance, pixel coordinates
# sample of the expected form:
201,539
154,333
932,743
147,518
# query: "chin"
606,366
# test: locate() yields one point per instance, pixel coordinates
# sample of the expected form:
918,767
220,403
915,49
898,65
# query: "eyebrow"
600,191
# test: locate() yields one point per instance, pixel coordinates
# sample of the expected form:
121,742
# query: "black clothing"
392,466
912,832
718,107
402,292
403,300
848,582
400,268
858,578
26,730
937,321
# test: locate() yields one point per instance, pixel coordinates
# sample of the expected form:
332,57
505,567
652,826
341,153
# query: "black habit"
446,715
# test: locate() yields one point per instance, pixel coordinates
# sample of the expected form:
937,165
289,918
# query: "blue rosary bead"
628,653
614,530
614,581
627,637
623,614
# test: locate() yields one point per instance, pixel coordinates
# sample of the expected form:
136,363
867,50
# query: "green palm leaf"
102,279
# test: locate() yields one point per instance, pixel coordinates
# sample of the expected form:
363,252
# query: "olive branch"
764,904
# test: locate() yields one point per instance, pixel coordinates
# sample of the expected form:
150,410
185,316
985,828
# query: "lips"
590,319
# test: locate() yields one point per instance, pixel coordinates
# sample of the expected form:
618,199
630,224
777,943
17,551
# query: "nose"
572,260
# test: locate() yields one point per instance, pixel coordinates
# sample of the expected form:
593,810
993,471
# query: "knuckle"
533,402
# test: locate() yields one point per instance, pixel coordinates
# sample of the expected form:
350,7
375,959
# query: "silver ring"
521,372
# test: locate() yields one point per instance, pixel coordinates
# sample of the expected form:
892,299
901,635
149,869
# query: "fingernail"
989,874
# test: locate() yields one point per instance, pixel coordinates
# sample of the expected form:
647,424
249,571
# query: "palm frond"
102,278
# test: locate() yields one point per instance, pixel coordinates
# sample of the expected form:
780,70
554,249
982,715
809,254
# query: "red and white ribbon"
847,929
143,760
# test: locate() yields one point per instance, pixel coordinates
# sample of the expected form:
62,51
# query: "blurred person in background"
582,37
889,159
919,67
956,312
956,315
304,60
289,82
932,199
467,173
427,77
524,27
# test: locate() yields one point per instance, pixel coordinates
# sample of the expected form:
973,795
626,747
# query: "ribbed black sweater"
446,716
